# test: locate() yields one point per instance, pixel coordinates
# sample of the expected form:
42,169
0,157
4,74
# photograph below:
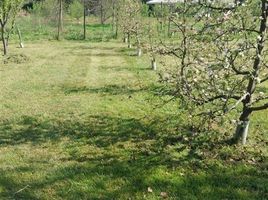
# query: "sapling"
8,12
131,23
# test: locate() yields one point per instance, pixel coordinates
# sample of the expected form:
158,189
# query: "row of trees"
221,53
124,15
220,50
9,9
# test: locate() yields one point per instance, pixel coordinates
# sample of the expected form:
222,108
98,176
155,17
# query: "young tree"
117,10
153,46
103,8
115,6
8,12
131,22
222,54
20,37
138,29
77,9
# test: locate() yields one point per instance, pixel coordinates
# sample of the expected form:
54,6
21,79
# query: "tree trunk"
169,26
162,16
84,24
116,30
4,40
116,23
128,40
125,39
101,13
240,136
60,20
20,38
242,128
139,52
241,132
153,62
113,23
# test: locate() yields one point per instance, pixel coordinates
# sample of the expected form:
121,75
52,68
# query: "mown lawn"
81,120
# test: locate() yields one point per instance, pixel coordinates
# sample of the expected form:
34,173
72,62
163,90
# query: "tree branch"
217,97
258,108
265,79
261,98
217,8
237,71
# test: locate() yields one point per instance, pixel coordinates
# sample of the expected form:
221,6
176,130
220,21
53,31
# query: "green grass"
82,120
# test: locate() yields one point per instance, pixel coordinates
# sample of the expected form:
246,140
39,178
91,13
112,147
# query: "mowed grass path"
79,121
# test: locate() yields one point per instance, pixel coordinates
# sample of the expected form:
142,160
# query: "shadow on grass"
84,46
131,180
103,130
10,188
97,37
90,26
102,55
135,154
114,89
107,90
135,69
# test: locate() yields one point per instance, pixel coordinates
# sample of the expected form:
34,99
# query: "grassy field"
83,120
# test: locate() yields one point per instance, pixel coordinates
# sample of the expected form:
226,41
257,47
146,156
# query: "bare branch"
263,107
261,98
200,102
224,9
265,79
232,64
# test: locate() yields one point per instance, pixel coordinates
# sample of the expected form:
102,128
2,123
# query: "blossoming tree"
222,53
